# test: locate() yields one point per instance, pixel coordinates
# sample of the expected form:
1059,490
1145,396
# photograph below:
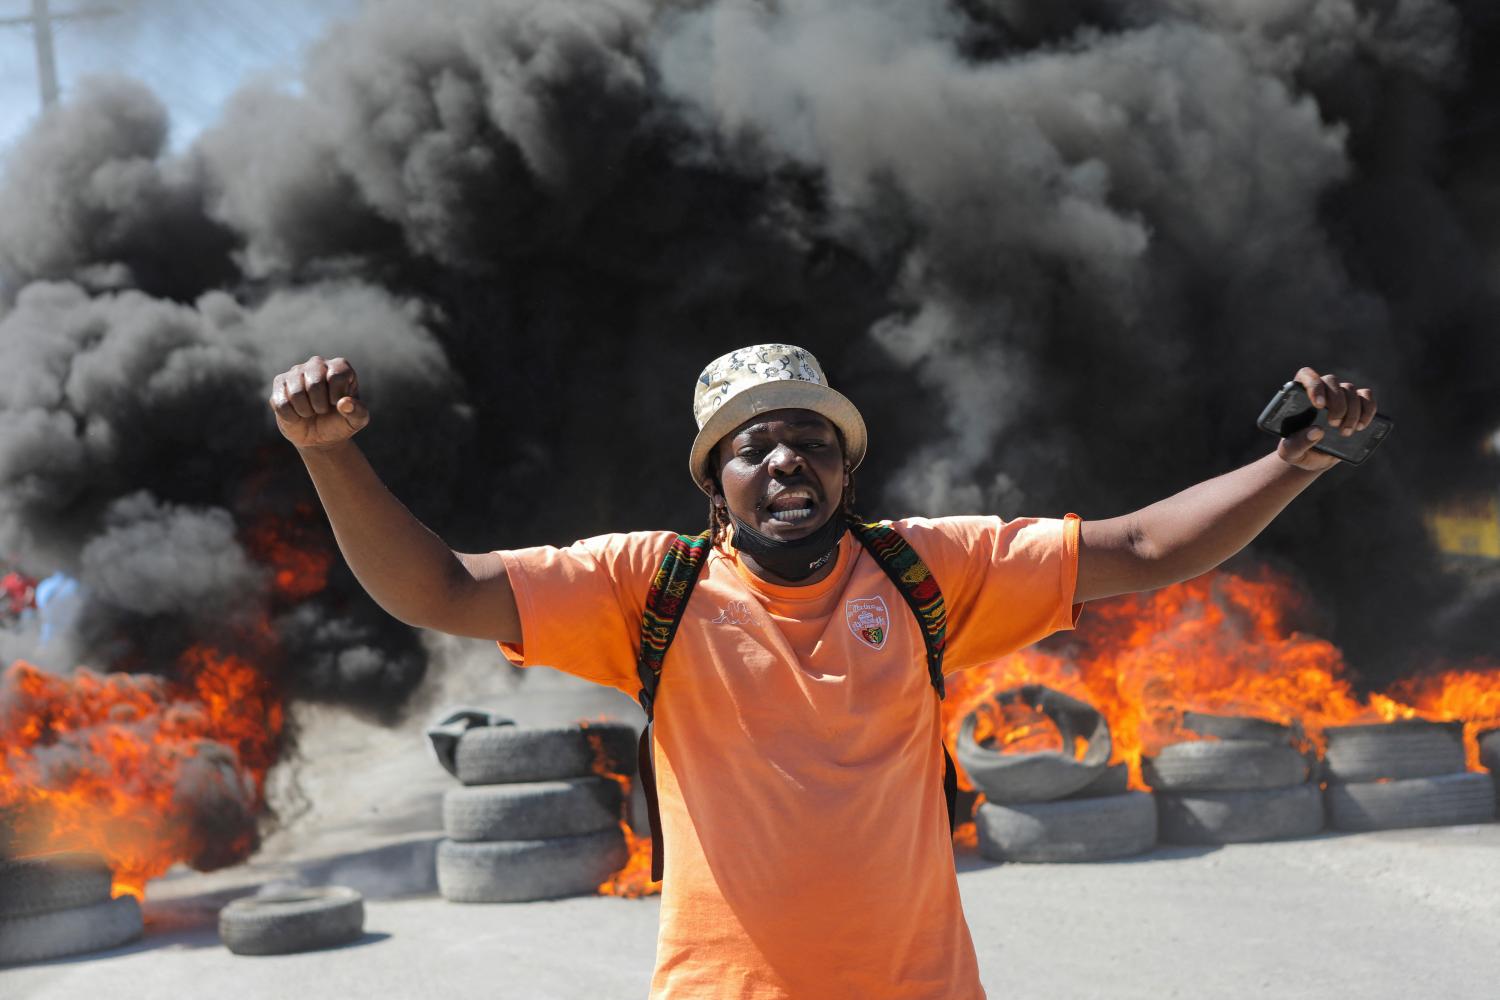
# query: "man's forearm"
1188,533
404,566
1197,529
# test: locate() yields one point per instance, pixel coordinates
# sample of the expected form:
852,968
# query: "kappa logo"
737,613
868,620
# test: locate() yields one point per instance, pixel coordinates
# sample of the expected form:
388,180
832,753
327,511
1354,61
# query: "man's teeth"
791,515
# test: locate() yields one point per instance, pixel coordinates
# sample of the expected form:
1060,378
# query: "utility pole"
40,21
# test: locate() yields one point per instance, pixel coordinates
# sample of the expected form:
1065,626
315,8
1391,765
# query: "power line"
40,21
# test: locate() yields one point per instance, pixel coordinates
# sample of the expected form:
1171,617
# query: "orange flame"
634,879
299,564
1470,695
137,768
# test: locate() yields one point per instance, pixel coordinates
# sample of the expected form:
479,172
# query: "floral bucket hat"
755,380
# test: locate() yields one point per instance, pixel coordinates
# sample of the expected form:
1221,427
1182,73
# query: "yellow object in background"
1469,527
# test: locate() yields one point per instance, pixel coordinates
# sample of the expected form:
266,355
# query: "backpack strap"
919,588
666,601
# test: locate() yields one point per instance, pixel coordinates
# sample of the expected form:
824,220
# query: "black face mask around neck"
796,559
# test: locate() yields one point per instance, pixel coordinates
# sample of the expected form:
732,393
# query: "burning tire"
1042,776
1412,748
491,755
1224,766
1444,800
73,931
47,882
517,871
292,920
1240,817
1238,727
532,810
1096,829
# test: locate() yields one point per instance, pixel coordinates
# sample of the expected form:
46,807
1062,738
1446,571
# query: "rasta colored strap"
920,590
665,603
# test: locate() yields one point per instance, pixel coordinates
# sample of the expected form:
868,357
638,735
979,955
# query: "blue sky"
192,53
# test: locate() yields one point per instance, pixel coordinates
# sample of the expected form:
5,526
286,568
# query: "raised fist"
317,403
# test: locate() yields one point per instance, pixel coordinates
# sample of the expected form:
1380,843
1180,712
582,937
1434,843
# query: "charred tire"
1224,766
73,931
1444,800
516,871
490,755
292,920
47,882
1412,748
532,810
1237,727
1239,817
1099,829
1043,776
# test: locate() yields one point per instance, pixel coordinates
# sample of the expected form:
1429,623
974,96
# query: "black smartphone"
1292,411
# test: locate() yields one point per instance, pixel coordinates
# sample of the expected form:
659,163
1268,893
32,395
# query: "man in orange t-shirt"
797,746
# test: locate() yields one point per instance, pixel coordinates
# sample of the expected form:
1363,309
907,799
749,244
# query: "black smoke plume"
1060,253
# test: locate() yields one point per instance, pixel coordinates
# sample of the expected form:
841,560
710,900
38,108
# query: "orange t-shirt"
797,748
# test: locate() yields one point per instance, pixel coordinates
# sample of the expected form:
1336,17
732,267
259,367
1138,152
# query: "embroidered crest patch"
868,620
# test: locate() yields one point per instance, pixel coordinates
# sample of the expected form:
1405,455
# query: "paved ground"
1394,915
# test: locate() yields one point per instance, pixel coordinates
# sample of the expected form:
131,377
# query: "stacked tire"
53,905
1054,806
537,817
1412,773
1244,784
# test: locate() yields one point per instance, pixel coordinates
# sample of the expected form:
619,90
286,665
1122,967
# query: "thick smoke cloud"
154,559
475,131
1090,171
88,197
137,454
1060,253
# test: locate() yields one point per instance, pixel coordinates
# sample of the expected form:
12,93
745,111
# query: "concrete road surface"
1375,916
1409,914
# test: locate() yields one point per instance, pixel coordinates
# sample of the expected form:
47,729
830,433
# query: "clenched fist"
317,403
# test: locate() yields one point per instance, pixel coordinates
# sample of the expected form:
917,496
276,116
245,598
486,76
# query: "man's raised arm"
1195,530
406,568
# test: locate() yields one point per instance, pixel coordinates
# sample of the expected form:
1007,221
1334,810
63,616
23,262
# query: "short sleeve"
581,606
1006,584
